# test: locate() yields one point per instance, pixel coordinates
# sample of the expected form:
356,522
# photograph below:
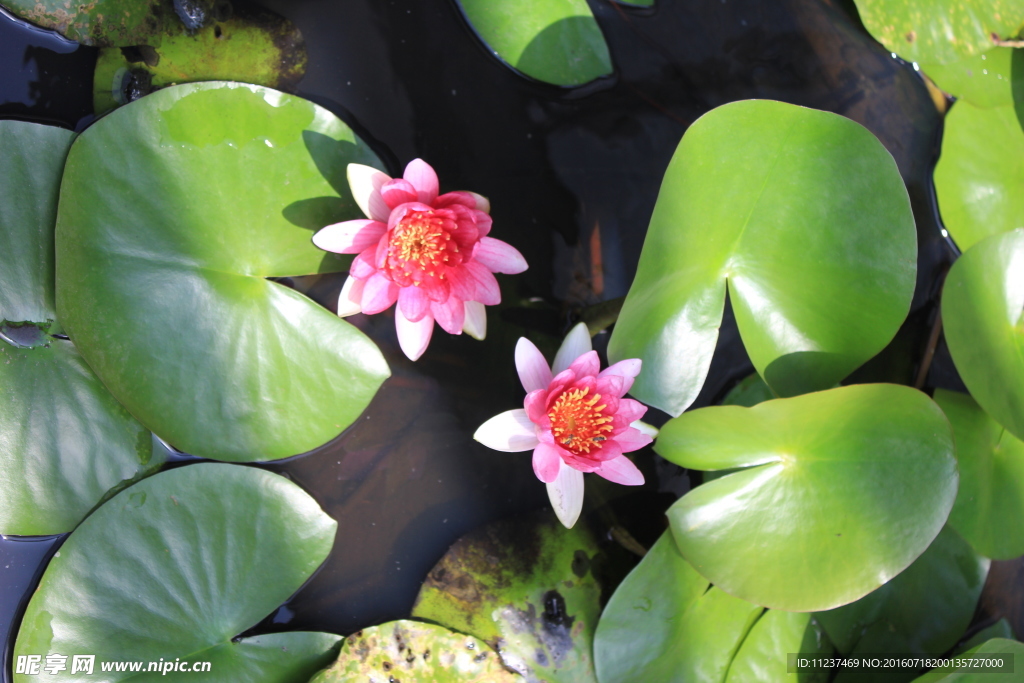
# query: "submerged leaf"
104,22
841,490
176,567
414,652
526,588
175,210
803,217
253,46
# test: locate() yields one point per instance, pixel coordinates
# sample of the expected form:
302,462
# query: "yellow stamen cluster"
577,421
419,242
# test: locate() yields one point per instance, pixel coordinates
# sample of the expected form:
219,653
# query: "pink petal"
350,299
350,237
510,432
413,337
576,343
546,462
363,265
437,290
631,410
621,470
566,495
499,257
466,199
578,463
586,365
378,294
413,303
536,404
483,221
609,450
632,439
365,183
449,315
397,192
423,178
533,370
611,387
402,210
475,324
473,282
627,370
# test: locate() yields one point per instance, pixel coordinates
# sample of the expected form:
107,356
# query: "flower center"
419,246
577,421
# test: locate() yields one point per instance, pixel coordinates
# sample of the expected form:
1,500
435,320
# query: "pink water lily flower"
428,252
575,420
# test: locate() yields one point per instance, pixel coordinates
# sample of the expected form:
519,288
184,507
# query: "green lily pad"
763,655
1000,629
557,41
253,46
990,503
995,646
803,216
414,652
985,80
841,491
29,184
983,316
979,174
923,611
665,623
941,31
526,588
176,567
65,443
174,211
101,22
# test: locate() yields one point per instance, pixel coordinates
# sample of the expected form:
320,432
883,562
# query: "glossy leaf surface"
557,41
414,652
985,80
990,503
252,46
983,315
175,210
803,215
33,160
923,611
763,655
102,22
65,443
841,491
941,31
528,592
979,174
664,623
178,565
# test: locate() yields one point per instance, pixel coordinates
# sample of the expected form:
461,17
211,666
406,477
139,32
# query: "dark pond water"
572,176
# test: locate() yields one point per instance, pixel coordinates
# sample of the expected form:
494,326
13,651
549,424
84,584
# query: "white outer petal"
510,432
351,295
475,324
363,181
566,494
644,428
413,337
576,343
